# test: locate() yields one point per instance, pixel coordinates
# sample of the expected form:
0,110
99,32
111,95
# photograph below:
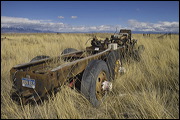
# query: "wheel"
113,62
14,95
95,82
136,55
137,52
39,58
68,50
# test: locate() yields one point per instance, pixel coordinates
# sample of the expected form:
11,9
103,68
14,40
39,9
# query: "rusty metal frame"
54,78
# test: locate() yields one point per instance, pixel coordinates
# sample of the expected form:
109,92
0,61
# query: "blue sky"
68,16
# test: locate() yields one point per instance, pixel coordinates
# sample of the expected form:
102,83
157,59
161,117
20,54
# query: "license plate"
26,82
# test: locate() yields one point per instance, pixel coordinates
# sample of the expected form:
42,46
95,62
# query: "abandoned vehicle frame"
90,71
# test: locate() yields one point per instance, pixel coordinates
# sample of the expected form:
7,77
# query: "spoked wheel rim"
99,84
116,68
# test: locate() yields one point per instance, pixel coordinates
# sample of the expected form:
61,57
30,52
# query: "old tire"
111,61
68,50
136,55
95,73
39,58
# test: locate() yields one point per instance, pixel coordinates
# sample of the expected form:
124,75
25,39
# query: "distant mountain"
151,32
27,30
21,30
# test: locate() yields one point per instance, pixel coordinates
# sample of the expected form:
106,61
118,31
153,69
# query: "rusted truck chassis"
90,71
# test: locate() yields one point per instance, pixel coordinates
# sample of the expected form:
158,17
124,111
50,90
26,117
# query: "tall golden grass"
148,89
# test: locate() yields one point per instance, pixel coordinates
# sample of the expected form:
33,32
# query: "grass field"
148,89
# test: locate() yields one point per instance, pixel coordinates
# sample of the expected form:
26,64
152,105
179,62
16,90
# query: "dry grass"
149,88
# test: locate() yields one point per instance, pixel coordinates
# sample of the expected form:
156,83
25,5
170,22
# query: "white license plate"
26,82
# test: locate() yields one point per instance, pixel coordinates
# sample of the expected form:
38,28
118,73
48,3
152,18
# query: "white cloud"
11,20
44,25
164,26
73,17
60,17
51,26
30,24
